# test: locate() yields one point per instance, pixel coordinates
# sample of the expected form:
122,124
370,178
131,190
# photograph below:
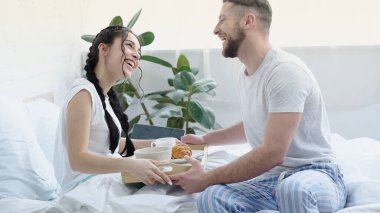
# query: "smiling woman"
89,140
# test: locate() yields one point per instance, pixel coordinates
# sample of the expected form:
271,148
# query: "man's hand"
193,139
193,180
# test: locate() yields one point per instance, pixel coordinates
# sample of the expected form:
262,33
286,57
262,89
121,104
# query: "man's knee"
297,193
292,196
218,198
207,199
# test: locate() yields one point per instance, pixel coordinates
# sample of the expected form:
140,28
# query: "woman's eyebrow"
134,44
131,41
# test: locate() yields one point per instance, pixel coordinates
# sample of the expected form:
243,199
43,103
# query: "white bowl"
155,153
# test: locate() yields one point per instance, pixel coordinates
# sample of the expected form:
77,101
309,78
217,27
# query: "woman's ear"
103,49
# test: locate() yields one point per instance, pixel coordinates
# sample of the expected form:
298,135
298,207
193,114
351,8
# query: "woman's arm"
82,160
137,143
78,132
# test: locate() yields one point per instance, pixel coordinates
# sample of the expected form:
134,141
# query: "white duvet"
359,158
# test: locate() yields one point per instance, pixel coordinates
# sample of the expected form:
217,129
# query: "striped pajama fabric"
311,188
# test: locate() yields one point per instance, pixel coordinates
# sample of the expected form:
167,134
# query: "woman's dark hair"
107,36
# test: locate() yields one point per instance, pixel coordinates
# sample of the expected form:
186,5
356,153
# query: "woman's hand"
193,139
147,171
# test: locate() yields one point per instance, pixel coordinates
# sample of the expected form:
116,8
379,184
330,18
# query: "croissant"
180,151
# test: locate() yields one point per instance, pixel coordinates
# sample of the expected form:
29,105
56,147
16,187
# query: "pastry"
180,151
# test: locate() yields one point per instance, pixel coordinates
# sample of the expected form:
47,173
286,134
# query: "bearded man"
291,167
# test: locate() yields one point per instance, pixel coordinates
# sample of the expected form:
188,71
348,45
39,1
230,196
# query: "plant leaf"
88,38
217,126
125,88
129,99
211,93
182,61
175,71
123,103
132,122
190,130
184,80
179,95
167,112
195,71
171,82
133,20
174,122
204,85
203,115
146,38
160,92
161,99
161,105
116,21
184,68
156,60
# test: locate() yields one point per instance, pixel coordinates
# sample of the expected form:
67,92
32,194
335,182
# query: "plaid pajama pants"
311,188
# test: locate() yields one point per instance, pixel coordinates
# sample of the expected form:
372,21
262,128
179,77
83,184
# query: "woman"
91,121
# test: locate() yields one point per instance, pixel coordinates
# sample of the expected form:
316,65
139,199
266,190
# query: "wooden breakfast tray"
170,168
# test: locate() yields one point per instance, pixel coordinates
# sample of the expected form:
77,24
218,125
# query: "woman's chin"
127,73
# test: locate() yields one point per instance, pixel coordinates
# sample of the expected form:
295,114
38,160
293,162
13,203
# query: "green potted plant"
180,105
177,104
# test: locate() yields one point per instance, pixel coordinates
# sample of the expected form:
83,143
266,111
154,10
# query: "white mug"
164,142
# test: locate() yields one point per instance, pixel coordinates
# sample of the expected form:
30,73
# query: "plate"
195,154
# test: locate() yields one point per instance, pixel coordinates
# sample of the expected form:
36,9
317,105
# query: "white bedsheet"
106,193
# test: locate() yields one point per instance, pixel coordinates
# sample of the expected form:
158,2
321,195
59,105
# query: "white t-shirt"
98,140
283,83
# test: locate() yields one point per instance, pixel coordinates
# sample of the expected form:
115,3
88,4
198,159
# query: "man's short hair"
261,7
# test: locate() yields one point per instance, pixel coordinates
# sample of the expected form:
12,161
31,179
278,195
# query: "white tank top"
98,140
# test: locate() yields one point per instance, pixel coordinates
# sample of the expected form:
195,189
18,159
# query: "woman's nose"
136,55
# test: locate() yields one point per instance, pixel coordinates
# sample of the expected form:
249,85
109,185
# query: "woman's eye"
128,45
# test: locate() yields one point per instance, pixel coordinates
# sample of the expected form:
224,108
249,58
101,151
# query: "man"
291,166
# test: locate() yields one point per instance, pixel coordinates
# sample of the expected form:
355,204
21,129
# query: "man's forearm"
248,166
232,135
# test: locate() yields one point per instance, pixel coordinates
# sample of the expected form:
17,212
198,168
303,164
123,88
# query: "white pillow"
359,159
45,117
24,169
363,192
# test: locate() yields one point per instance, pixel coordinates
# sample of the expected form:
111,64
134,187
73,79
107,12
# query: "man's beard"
232,46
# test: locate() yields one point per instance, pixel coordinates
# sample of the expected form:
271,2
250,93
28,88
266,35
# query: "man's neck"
252,54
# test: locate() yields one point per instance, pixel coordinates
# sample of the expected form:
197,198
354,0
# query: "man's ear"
103,49
250,21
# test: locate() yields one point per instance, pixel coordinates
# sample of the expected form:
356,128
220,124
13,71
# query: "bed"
27,182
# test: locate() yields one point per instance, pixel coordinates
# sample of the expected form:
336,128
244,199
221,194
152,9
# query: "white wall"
39,44
189,24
